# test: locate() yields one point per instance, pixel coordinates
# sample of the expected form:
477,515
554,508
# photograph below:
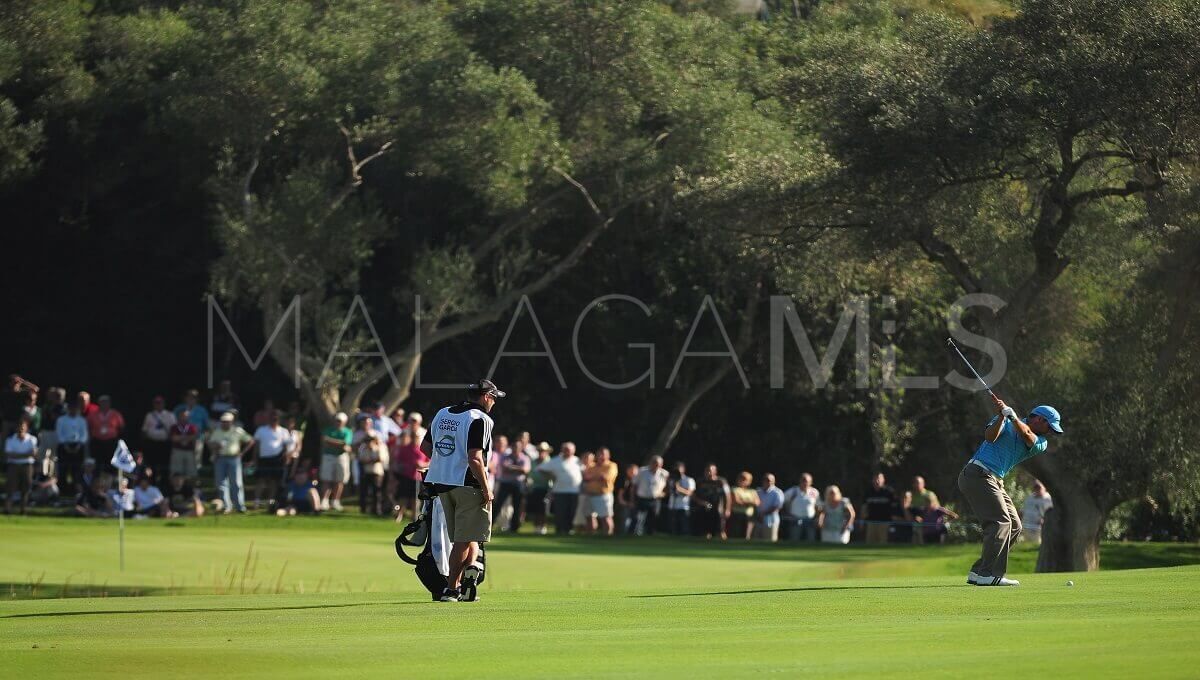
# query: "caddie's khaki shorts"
467,518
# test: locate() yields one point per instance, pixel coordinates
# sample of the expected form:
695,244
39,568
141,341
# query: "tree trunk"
1071,533
693,392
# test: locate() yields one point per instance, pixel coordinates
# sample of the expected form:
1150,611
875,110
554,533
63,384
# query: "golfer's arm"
475,463
992,433
1027,435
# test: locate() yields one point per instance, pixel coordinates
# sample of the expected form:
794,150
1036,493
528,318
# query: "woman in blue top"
1007,441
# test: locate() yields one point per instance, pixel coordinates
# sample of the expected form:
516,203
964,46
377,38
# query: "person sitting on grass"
122,497
93,501
183,499
149,500
302,496
44,491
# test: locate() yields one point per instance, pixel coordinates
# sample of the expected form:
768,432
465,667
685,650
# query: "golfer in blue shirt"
1007,441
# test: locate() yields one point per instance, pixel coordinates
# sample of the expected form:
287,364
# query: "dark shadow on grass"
795,590
192,610
674,546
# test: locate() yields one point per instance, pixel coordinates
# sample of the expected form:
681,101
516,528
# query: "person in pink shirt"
105,426
406,468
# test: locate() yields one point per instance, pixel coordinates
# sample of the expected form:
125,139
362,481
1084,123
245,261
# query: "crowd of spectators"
58,451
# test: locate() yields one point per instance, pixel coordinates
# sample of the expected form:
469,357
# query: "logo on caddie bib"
445,445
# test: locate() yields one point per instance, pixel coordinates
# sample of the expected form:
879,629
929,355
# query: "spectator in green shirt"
335,462
921,498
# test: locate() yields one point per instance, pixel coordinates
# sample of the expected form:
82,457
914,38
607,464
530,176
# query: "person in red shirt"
86,406
406,468
105,426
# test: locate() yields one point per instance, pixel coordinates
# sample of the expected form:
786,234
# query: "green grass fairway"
327,598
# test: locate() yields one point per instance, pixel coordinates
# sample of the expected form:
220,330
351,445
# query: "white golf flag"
122,459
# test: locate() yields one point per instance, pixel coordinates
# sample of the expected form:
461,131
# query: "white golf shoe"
992,580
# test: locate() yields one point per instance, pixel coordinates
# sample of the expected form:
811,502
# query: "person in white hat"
335,462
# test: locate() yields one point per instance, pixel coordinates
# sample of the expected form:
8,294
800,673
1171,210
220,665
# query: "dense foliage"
452,163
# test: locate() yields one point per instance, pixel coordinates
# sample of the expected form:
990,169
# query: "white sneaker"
325,504
974,579
449,596
337,505
996,581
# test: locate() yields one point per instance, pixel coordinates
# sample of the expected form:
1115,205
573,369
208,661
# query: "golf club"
950,341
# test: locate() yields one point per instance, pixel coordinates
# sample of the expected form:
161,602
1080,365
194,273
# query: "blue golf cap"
1051,415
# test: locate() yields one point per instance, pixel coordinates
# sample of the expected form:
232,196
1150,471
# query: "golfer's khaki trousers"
1001,523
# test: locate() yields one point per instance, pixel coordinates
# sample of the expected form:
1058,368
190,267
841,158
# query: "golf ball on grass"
1070,583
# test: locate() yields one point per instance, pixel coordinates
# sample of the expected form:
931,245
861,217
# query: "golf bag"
428,533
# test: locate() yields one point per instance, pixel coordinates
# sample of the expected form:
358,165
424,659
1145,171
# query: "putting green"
333,601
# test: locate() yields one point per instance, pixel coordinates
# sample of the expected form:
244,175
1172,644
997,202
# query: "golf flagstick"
121,519
123,461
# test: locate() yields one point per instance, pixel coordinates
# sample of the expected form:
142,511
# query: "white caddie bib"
448,436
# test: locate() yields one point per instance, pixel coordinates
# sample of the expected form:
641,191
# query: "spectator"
86,406
12,402
679,500
745,501
44,490
224,401
228,443
513,470
583,514
93,501
371,446
399,419
768,513
715,501
184,435
415,426
149,500
197,413
156,434
273,441
599,481
902,526
650,487
837,516
539,490
19,451
47,433
933,522
1033,513
335,462
302,496
71,430
921,499
878,510
922,496
105,426
295,445
525,443
121,498
800,504
384,424
199,416
406,471
494,461
263,415
30,411
567,474
183,499
89,473
626,500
